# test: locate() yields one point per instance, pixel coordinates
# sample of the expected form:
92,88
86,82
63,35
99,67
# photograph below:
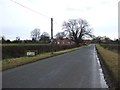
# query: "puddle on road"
102,79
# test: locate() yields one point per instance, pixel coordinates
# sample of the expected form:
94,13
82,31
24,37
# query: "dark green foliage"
111,46
13,51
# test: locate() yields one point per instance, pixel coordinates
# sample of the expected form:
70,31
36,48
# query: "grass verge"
110,59
15,62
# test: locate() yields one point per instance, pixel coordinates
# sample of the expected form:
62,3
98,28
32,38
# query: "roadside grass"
110,59
0,65
15,62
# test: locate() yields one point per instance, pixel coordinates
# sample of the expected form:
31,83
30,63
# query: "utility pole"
52,35
51,28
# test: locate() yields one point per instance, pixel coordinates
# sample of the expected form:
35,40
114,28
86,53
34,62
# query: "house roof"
64,40
86,40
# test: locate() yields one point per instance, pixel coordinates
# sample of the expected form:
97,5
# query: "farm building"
87,41
65,41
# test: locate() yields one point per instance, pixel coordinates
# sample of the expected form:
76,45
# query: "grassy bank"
110,60
15,62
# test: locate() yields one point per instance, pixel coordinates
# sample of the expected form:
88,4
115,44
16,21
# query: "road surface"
77,69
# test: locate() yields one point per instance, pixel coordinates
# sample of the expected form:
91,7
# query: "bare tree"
60,35
45,34
45,37
77,29
35,34
97,39
2,39
106,39
18,38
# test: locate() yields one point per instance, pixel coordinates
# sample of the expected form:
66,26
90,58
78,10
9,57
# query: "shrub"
12,51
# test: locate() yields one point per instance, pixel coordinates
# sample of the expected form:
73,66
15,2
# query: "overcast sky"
16,20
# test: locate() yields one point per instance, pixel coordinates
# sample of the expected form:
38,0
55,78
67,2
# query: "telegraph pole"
51,28
52,35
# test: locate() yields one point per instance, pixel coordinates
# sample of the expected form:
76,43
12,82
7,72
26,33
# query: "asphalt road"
77,69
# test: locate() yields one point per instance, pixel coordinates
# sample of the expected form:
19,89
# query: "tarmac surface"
76,69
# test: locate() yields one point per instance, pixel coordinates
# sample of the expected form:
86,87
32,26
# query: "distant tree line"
105,40
35,35
74,29
45,38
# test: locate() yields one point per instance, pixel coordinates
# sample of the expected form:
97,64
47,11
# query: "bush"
9,51
111,46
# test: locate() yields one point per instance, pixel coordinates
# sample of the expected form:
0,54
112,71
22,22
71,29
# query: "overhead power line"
30,9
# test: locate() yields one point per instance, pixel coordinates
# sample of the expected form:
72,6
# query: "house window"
68,42
58,42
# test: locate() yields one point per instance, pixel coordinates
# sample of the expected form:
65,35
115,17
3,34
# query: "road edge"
38,59
107,75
